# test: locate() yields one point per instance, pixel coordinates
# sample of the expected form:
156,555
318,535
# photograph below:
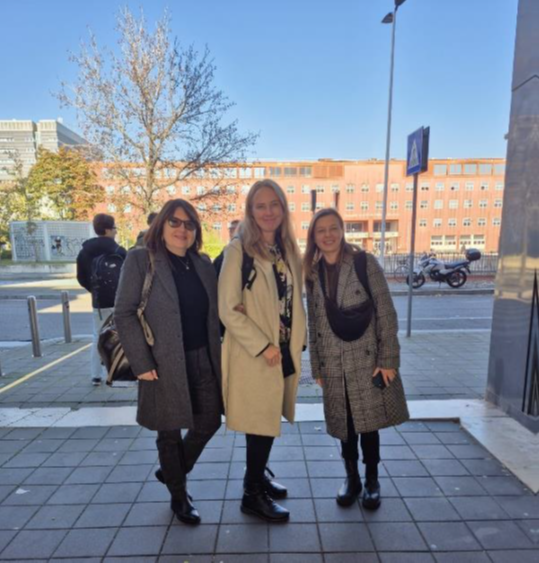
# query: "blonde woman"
354,350
260,304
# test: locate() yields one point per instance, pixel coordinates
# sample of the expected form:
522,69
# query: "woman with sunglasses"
265,334
354,350
180,375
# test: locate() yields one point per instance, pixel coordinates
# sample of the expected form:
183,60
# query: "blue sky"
311,76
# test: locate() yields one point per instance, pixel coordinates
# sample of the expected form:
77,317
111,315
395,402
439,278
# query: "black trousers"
177,454
258,452
370,442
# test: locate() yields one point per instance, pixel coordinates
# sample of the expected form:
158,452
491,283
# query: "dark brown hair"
153,239
102,222
312,253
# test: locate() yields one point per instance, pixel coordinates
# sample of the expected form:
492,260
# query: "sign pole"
411,260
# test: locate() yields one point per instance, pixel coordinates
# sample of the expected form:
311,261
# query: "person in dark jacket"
140,236
102,301
180,375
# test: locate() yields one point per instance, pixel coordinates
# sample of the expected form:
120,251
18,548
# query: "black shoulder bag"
349,324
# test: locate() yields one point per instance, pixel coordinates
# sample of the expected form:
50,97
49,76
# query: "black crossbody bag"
349,324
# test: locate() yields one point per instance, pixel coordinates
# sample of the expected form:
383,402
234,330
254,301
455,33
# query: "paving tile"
453,438
55,517
73,494
521,556
488,467
326,469
24,434
294,558
531,529
142,457
77,446
460,486
448,536
471,451
65,459
503,486
243,538
181,557
130,473
117,493
417,487
523,507
193,540
150,514
30,495
400,537
138,541
48,476
103,516
294,538
345,537
14,476
420,438
88,475
463,557
500,535
90,542
94,433
301,510
284,453
397,453
315,440
415,557
206,490
142,559
351,558
123,432
478,508
101,459
405,469
216,454
25,460
327,510
34,544
156,492
113,445
43,446
391,510
205,471
445,468
5,537
14,517
325,488
432,509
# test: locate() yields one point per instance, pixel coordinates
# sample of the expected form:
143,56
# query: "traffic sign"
417,159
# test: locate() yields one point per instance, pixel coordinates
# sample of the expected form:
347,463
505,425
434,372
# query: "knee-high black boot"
371,495
351,488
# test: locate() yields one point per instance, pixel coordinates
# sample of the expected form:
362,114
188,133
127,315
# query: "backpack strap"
247,267
360,266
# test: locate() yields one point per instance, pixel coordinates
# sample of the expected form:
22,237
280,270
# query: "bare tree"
153,110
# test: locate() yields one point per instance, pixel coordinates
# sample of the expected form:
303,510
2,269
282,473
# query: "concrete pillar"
513,379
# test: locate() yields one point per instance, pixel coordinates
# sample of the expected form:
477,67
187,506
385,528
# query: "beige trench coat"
256,395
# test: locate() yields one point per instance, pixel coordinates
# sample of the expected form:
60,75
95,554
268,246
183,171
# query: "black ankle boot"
257,502
161,478
274,489
184,510
371,495
351,488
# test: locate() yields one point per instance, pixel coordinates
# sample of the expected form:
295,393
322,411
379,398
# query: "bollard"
67,318
34,327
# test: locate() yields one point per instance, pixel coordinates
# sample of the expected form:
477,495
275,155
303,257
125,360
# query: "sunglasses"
175,223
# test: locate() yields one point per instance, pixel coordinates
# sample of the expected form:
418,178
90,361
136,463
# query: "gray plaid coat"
336,361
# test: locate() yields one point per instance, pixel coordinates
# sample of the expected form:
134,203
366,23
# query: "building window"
465,240
290,171
479,240
436,241
437,223
260,172
424,205
200,190
453,204
394,205
452,222
498,203
499,186
245,173
470,169
409,187
455,169
485,169
379,188
469,186
467,222
394,188
365,188
217,226
364,206
481,222
438,204
290,190
499,169
425,187
186,190
110,189
468,204
484,187
454,187
126,190
305,225
349,206
422,222
231,207
231,190
274,171
292,206
378,206
245,189
171,190
305,206
128,208
335,188
409,205
320,189
306,171
496,221
305,189
483,204
440,169
111,208
440,187
350,188
320,205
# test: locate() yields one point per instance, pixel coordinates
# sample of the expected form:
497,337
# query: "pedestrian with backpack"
99,264
265,333
354,350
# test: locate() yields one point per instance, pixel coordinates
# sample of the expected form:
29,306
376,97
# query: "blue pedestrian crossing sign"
417,154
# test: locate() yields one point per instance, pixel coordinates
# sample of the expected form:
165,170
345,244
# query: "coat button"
358,292
321,364
319,335
368,352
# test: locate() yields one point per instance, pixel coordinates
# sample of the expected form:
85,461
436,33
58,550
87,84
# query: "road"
448,312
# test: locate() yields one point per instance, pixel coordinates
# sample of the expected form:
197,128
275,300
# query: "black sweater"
194,302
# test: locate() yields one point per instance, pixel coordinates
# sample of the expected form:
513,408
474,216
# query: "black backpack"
106,271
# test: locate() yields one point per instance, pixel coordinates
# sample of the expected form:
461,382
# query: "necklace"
184,261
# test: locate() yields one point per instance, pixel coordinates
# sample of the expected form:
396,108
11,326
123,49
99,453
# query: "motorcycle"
454,274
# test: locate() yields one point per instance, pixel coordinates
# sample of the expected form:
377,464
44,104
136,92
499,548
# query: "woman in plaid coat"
357,370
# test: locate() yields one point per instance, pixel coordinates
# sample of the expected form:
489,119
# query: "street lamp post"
391,18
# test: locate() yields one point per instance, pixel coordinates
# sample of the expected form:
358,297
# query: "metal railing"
486,265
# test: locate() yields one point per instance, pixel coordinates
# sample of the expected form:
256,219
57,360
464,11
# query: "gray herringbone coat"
164,404
336,361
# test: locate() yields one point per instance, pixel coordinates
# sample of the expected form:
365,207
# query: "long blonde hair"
312,252
250,233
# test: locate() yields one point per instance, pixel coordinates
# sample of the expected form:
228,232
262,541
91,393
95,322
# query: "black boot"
274,489
257,502
351,488
183,509
161,478
371,495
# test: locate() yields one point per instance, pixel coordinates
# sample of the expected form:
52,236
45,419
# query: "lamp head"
388,18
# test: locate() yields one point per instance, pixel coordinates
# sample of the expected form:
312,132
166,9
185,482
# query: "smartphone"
378,381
